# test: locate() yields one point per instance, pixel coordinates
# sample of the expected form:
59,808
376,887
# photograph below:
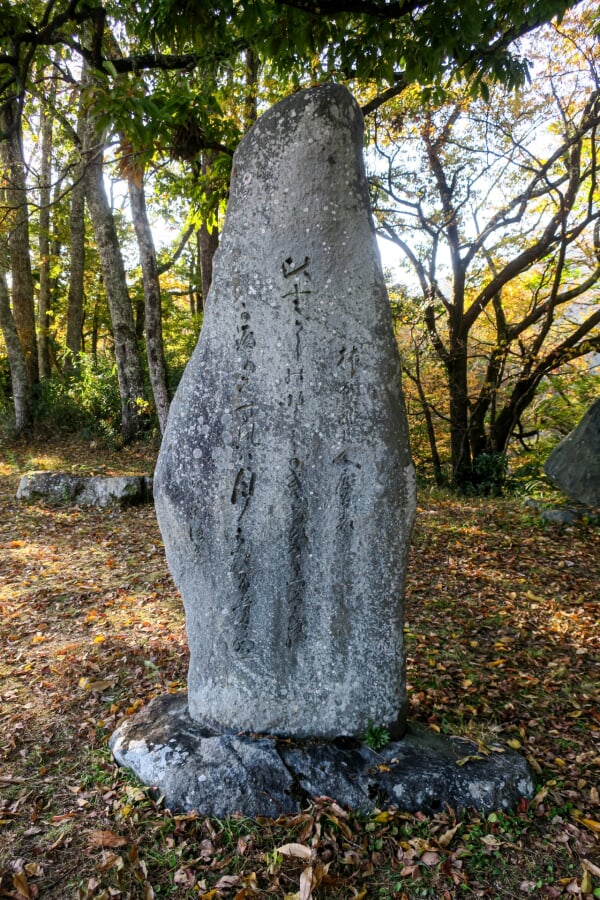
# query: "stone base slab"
96,490
195,768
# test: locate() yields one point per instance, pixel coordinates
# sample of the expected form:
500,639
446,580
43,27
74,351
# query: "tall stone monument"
285,494
284,488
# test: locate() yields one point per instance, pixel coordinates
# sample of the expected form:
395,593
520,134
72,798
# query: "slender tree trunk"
55,253
193,295
76,274
208,241
15,198
140,319
45,299
126,349
16,359
251,97
435,456
129,369
74,338
153,310
459,415
94,334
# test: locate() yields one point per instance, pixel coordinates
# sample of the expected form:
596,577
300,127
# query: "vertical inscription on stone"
299,290
294,380
297,553
347,364
345,490
243,485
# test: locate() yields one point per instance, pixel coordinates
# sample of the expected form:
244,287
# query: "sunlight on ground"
40,462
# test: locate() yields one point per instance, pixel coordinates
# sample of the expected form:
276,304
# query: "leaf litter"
502,644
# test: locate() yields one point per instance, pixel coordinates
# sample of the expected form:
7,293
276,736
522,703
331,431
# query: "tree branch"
180,248
394,91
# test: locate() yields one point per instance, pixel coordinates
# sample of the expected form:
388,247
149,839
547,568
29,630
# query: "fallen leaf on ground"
106,839
299,851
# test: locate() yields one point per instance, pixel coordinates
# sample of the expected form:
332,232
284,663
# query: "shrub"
88,403
489,474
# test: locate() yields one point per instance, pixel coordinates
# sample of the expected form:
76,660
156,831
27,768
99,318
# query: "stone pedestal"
196,769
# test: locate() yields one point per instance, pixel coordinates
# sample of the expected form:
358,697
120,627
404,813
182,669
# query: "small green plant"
490,471
376,736
273,859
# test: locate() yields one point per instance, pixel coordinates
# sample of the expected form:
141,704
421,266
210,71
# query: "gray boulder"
574,464
284,489
563,516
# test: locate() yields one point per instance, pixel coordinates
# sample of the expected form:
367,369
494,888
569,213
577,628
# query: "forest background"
118,123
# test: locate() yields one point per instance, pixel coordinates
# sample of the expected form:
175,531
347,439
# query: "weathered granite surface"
574,464
284,488
195,768
96,490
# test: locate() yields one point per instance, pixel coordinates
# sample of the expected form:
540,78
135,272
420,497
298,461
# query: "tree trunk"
129,369
17,220
456,367
21,388
435,456
251,96
45,299
94,333
193,296
74,338
208,241
153,311
508,418
140,319
55,254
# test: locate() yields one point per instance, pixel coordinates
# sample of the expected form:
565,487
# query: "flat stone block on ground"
94,490
195,768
